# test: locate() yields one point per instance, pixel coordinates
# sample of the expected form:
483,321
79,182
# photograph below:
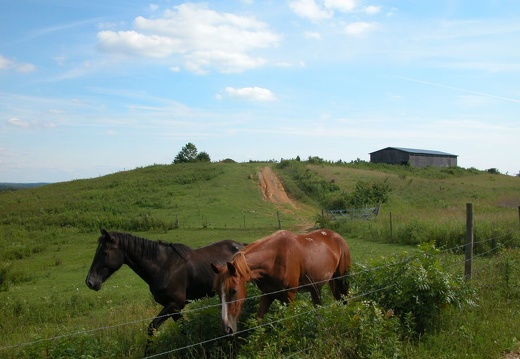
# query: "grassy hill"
48,234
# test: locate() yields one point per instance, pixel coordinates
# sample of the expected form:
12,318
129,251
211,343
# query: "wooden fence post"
469,241
279,221
391,229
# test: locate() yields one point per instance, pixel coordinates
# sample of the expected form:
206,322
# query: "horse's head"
230,286
107,260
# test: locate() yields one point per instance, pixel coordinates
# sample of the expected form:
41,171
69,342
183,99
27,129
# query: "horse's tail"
340,283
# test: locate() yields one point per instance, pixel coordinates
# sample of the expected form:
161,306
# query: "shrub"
9,277
415,286
369,193
357,330
493,171
360,330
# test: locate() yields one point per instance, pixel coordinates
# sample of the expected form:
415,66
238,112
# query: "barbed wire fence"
497,241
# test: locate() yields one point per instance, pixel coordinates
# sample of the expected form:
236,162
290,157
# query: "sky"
89,88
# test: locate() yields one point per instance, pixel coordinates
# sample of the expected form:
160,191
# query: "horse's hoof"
151,331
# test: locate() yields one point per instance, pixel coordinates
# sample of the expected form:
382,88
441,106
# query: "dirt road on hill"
274,192
272,188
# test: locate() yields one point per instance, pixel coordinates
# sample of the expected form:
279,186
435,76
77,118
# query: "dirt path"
272,188
514,355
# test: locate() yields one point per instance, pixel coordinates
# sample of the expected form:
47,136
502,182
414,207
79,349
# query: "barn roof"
418,151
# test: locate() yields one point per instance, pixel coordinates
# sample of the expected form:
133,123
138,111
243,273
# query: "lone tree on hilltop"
189,154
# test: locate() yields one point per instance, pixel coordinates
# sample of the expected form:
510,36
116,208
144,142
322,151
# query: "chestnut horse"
280,265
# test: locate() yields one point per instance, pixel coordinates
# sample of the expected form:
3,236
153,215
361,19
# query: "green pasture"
48,237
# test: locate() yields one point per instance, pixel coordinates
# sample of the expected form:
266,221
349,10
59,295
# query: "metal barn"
413,157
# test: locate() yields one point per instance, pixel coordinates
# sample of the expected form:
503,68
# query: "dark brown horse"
174,272
280,265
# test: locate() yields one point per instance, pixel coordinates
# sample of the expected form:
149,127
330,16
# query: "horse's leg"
265,303
340,287
169,311
316,295
290,295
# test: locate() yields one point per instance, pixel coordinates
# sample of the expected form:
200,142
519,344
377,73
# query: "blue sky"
93,87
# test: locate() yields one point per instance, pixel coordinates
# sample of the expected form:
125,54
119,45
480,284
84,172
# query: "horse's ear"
107,235
231,268
215,268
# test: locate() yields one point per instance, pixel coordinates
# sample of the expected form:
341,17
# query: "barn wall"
390,156
434,161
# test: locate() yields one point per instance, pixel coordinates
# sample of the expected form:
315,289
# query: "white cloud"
226,62
250,93
60,59
321,10
200,37
18,122
372,10
310,10
359,28
6,64
341,5
312,35
134,43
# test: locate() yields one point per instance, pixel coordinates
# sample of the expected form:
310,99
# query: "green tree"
493,171
203,157
189,154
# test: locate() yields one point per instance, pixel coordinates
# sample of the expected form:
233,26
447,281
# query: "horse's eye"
233,291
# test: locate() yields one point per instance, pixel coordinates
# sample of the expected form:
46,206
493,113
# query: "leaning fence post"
469,241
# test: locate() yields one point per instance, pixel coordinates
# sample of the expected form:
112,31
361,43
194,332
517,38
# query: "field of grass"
48,237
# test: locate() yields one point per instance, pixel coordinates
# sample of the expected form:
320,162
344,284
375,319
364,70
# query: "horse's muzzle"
228,330
92,285
229,327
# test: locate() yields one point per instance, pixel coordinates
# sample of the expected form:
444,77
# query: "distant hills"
5,186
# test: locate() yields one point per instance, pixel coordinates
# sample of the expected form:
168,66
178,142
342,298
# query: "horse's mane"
239,257
241,266
147,247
